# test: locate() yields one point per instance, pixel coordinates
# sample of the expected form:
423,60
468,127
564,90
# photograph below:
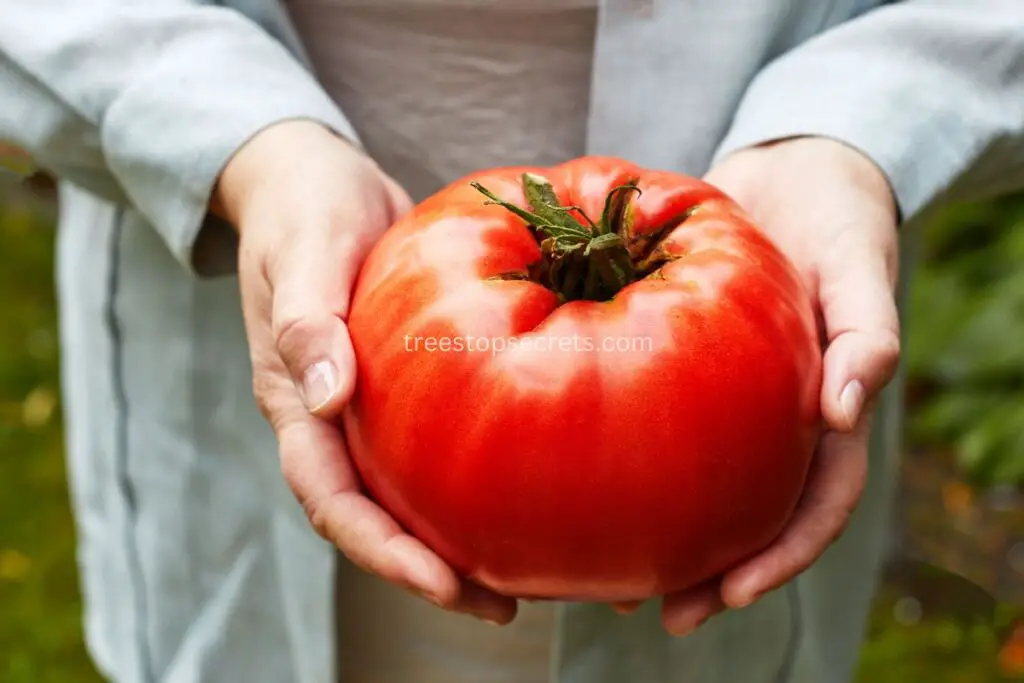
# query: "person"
225,166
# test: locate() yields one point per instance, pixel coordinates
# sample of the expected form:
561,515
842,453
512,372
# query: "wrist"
268,160
820,160
860,171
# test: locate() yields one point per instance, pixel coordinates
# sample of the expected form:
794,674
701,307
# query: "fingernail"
492,622
418,574
747,601
851,400
319,384
432,599
683,632
419,593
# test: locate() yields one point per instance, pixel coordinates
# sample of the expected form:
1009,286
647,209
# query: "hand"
308,207
832,212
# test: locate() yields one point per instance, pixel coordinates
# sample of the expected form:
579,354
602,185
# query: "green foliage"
939,650
40,614
965,339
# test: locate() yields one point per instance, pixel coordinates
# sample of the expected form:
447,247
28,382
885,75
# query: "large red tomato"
590,382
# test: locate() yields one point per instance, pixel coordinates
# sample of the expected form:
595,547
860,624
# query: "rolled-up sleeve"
143,103
931,90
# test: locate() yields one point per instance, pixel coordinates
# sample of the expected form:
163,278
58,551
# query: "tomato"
587,382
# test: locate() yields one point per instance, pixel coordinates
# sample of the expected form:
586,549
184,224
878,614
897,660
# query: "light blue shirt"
197,564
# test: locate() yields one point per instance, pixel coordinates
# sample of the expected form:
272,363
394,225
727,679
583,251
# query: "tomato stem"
581,259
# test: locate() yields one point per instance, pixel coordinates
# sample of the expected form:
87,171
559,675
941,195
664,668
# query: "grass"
40,609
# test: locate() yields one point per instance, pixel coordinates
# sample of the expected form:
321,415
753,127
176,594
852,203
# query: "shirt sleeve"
931,90
143,103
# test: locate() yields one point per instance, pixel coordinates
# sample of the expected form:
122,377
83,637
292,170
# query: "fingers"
297,264
315,347
839,230
309,256
834,487
857,366
862,326
312,276
311,282
856,294
683,613
485,604
317,468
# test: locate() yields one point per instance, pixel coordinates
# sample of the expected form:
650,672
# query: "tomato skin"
569,469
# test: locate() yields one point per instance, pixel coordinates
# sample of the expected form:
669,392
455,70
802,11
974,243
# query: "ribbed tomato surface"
610,414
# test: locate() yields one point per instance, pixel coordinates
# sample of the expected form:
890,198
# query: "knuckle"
270,392
292,462
317,517
312,507
290,330
886,351
302,338
804,554
888,348
263,392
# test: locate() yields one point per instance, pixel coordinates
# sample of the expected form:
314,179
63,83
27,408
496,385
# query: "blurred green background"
961,506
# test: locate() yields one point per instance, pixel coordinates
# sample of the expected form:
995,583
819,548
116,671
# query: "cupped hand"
308,206
832,212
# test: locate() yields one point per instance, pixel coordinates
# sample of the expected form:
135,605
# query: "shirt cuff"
890,114
169,134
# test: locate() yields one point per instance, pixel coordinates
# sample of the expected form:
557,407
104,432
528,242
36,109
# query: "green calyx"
581,259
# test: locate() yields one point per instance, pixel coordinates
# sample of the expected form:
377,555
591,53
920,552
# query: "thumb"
313,343
312,283
862,325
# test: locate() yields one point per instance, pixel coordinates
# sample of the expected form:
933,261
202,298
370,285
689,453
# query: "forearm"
145,103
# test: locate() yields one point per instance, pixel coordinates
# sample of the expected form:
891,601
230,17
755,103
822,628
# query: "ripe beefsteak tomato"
587,382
